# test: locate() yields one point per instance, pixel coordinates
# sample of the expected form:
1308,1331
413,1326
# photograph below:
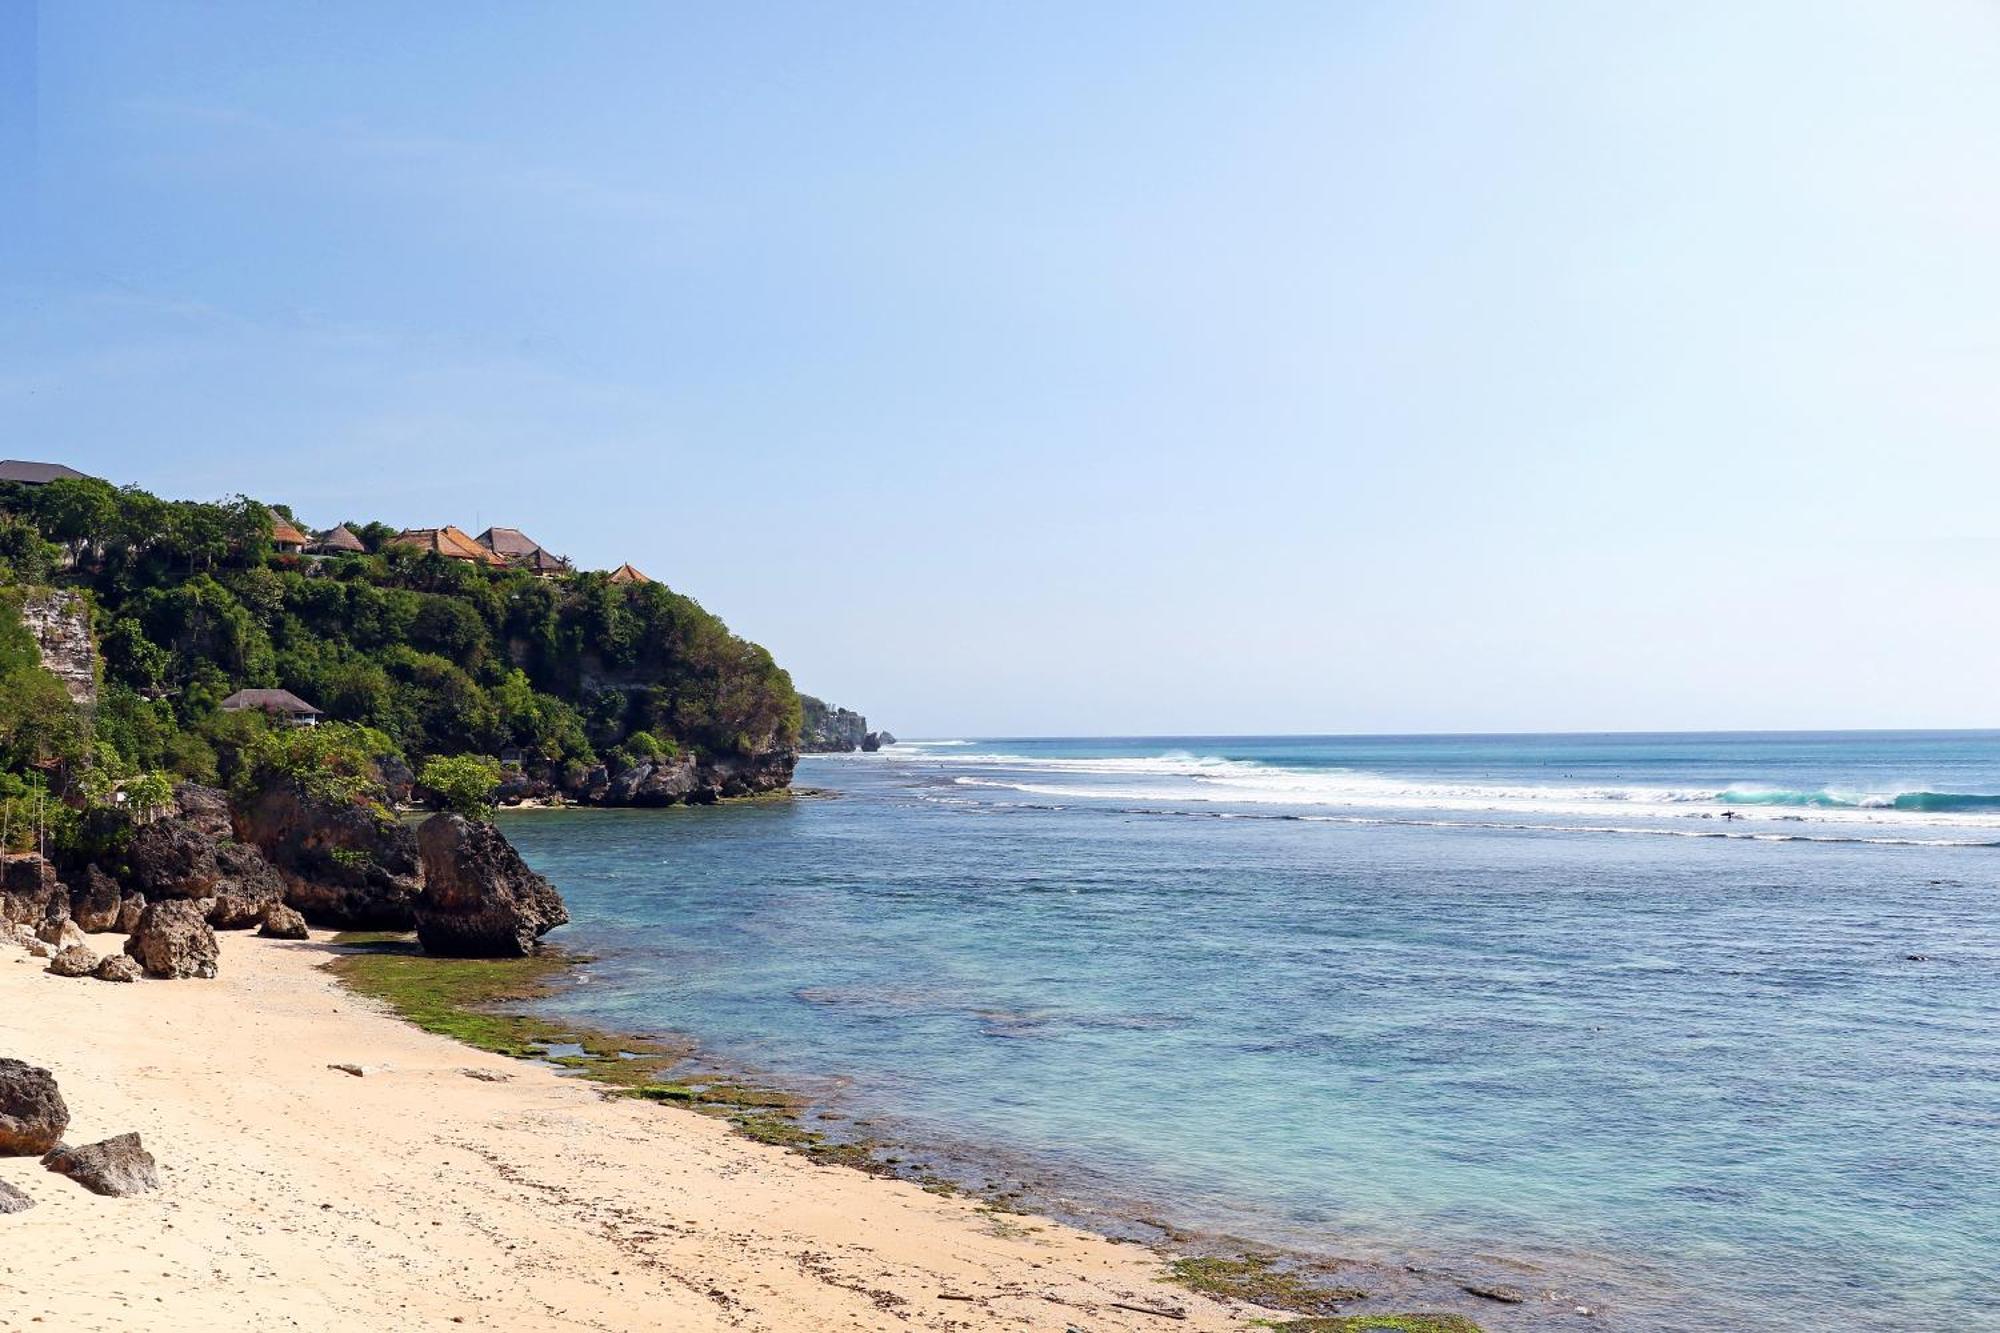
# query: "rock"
117,1166
27,939
282,923
13,1200
29,890
172,858
480,899
355,1070
342,864
173,940
1493,1292
75,961
60,933
129,908
32,1114
93,900
228,912
488,1075
830,730
875,740
60,622
116,967
205,809
245,873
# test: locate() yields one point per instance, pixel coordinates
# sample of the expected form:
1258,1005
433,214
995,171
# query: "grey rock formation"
174,941
30,892
342,864
205,808
480,899
172,858
116,1166
94,899
59,933
60,622
830,730
129,908
282,923
32,1114
13,1200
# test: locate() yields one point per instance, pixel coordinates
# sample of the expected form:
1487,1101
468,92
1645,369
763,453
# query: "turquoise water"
1640,1010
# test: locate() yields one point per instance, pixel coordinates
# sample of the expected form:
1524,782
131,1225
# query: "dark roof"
540,562
271,701
38,474
626,574
338,538
509,542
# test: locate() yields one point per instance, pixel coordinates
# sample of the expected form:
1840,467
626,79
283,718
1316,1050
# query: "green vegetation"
462,783
423,657
1381,1323
1260,1280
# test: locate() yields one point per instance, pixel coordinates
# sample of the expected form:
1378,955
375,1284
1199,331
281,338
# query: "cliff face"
830,730
60,622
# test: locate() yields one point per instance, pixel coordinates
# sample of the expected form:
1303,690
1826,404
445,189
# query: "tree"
462,783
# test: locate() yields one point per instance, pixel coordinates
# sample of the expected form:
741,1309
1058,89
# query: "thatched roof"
447,541
271,701
626,574
338,538
38,474
508,542
285,534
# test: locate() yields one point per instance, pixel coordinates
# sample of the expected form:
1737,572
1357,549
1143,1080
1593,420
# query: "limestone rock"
172,940
172,858
116,967
129,908
94,900
116,1166
32,1114
60,622
13,1200
60,933
480,899
343,864
75,961
282,923
205,809
29,890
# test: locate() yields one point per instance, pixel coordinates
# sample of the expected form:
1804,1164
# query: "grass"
1258,1279
1381,1323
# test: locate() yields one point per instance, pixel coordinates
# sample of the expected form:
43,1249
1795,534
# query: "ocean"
1695,1031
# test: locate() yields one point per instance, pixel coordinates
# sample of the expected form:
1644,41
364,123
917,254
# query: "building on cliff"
521,551
281,705
338,540
450,542
37,474
625,573
286,536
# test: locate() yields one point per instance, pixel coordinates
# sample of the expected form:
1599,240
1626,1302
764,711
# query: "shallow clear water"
1430,997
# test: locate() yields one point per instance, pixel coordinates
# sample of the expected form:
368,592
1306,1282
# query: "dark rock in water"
830,730
480,900
75,961
1493,1292
172,858
282,923
205,809
129,908
871,743
116,967
32,1114
1917,957
343,864
173,941
93,900
117,1166
13,1200
30,891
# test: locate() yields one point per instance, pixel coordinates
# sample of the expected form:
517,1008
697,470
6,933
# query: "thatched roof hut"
285,535
450,542
626,574
280,704
338,540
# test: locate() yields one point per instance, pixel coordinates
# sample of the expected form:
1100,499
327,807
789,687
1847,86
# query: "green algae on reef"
1259,1280
1381,1323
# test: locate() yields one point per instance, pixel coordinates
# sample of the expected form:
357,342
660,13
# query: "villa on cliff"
625,573
521,551
37,474
286,537
280,705
450,542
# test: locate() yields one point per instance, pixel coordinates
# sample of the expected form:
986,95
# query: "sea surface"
1698,1031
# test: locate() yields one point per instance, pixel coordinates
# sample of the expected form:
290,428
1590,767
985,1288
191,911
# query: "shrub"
462,783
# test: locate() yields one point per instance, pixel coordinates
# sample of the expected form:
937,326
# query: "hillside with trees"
573,679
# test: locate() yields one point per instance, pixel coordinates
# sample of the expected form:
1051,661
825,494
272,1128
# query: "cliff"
60,622
830,730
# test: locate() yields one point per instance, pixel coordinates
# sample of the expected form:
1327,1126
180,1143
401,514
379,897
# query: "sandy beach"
297,1196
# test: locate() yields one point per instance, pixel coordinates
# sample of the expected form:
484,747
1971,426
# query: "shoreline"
449,1187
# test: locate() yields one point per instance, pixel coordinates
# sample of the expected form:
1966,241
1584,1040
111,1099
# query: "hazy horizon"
1278,369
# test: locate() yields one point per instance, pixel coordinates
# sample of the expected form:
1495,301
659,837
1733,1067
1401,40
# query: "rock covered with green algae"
1382,1323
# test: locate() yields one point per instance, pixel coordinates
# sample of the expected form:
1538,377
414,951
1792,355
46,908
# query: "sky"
1058,369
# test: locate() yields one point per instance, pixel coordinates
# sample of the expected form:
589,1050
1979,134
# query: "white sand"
299,1197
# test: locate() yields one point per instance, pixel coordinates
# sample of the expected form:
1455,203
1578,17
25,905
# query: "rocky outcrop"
116,967
129,909
173,940
13,1200
32,1114
59,933
247,885
172,858
94,900
30,893
341,864
60,622
876,740
75,961
830,730
282,923
206,808
116,1166
480,900
684,781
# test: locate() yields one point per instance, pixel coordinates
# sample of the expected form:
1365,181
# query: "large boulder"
248,884
13,1200
172,858
30,893
172,940
282,923
32,1114
116,967
116,1166
94,899
343,863
59,933
75,961
480,899
206,809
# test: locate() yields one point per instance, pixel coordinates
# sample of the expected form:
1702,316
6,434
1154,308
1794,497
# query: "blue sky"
1057,368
